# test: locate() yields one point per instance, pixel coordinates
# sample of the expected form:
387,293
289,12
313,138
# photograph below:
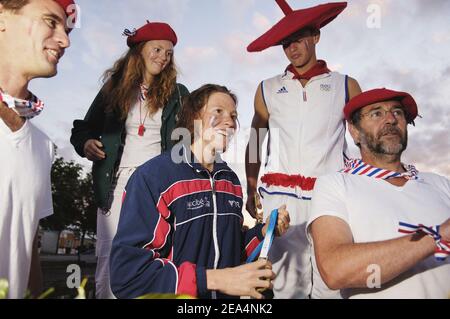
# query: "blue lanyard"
263,248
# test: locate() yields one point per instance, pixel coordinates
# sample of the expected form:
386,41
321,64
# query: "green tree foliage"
73,200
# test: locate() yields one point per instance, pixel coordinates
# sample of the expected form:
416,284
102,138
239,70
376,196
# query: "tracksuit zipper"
215,240
215,217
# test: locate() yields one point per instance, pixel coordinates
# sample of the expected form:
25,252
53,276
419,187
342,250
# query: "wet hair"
194,103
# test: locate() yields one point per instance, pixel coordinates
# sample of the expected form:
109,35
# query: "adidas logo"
282,90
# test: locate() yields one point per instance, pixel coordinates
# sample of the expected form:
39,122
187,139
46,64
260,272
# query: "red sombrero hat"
316,17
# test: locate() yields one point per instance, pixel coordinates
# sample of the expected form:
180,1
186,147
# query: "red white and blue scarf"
359,168
24,108
442,250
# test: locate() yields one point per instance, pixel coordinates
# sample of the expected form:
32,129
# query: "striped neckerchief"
24,108
358,167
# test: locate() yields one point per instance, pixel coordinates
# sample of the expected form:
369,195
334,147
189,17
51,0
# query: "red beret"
382,95
65,4
316,17
151,31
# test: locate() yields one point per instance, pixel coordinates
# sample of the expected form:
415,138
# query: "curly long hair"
122,82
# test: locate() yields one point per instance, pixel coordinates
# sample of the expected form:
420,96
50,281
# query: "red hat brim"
316,17
153,31
382,95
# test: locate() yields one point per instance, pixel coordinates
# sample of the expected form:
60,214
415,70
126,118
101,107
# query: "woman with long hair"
180,229
129,122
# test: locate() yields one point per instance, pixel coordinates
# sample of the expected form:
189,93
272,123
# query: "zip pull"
305,98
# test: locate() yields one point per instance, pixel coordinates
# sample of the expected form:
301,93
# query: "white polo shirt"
373,209
26,157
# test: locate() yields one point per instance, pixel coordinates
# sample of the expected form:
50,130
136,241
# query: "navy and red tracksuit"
177,221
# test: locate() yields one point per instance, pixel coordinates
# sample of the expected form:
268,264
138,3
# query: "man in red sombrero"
33,38
380,228
302,109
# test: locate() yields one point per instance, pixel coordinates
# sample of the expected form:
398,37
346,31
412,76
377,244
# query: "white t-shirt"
26,157
373,209
140,149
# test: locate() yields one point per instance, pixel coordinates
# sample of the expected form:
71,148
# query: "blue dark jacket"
177,221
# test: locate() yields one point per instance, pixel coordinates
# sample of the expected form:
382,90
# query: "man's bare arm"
253,150
344,264
35,283
353,88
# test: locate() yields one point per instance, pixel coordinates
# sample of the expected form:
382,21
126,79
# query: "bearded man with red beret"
376,225
302,109
33,38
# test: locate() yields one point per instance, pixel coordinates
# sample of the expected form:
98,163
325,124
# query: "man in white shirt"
33,37
360,216
302,109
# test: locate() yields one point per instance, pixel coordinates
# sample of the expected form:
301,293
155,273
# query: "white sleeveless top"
140,149
306,124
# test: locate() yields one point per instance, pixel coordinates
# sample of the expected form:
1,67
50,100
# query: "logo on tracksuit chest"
234,204
198,203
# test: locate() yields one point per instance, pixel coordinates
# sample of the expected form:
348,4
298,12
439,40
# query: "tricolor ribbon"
358,167
128,33
143,92
442,250
263,248
24,108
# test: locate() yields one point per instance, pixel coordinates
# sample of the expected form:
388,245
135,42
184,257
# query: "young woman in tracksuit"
180,229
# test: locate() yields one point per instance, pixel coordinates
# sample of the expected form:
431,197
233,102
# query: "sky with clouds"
400,44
